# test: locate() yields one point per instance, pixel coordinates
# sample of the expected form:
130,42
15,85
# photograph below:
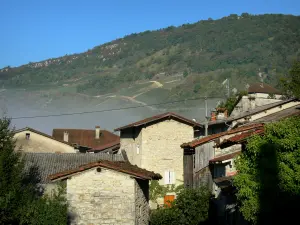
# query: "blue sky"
34,30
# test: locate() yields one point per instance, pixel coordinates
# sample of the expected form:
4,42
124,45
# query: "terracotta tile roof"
222,179
240,138
86,137
159,118
123,167
106,146
201,141
41,133
262,88
46,164
225,157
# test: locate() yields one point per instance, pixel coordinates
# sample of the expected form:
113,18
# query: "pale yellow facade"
40,143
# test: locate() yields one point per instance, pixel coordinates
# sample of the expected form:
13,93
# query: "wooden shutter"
168,199
172,177
167,177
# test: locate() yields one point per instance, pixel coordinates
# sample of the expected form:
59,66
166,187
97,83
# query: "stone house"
211,160
42,165
259,94
154,144
93,141
199,152
31,140
107,192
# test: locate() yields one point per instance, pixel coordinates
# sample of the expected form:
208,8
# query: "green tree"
189,208
21,201
291,83
268,181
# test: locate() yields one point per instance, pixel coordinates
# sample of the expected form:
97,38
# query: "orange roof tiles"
158,118
201,141
120,166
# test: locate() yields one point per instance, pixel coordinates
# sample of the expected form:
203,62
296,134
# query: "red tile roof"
224,157
262,88
159,118
206,139
106,146
86,137
119,166
241,137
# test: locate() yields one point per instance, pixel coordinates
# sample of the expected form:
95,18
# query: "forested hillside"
201,55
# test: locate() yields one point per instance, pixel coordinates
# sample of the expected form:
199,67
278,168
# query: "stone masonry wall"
39,143
142,202
161,147
130,140
106,197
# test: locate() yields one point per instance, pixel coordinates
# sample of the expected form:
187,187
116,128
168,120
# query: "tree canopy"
268,181
291,82
21,197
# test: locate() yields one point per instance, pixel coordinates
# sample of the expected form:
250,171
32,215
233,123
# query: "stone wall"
161,147
253,101
105,197
131,142
142,202
40,143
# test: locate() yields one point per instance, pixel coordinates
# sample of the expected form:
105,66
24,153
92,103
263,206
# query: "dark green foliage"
231,102
291,82
189,208
268,181
20,196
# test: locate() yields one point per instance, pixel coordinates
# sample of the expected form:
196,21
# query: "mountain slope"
192,59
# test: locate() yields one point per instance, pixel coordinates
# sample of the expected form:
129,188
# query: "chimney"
97,132
66,136
213,116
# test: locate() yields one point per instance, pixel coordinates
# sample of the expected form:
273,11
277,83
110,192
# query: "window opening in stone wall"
138,149
169,177
27,135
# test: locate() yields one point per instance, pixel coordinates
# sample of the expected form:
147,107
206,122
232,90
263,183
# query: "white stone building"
259,94
107,192
154,144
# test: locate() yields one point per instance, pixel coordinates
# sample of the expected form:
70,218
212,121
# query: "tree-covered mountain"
201,55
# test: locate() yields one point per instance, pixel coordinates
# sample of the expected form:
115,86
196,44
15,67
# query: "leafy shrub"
189,208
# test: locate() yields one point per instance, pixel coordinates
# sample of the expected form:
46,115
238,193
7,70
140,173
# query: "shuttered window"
169,177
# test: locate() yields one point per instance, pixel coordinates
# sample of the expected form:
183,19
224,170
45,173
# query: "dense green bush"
189,208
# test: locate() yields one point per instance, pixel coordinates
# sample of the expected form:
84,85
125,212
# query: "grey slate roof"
50,163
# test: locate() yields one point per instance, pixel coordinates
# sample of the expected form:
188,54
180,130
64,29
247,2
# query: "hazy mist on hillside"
20,103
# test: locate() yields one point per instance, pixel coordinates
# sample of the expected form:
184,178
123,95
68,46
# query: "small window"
138,149
169,177
27,136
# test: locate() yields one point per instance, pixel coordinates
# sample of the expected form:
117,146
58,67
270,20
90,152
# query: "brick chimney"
66,136
97,132
213,116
